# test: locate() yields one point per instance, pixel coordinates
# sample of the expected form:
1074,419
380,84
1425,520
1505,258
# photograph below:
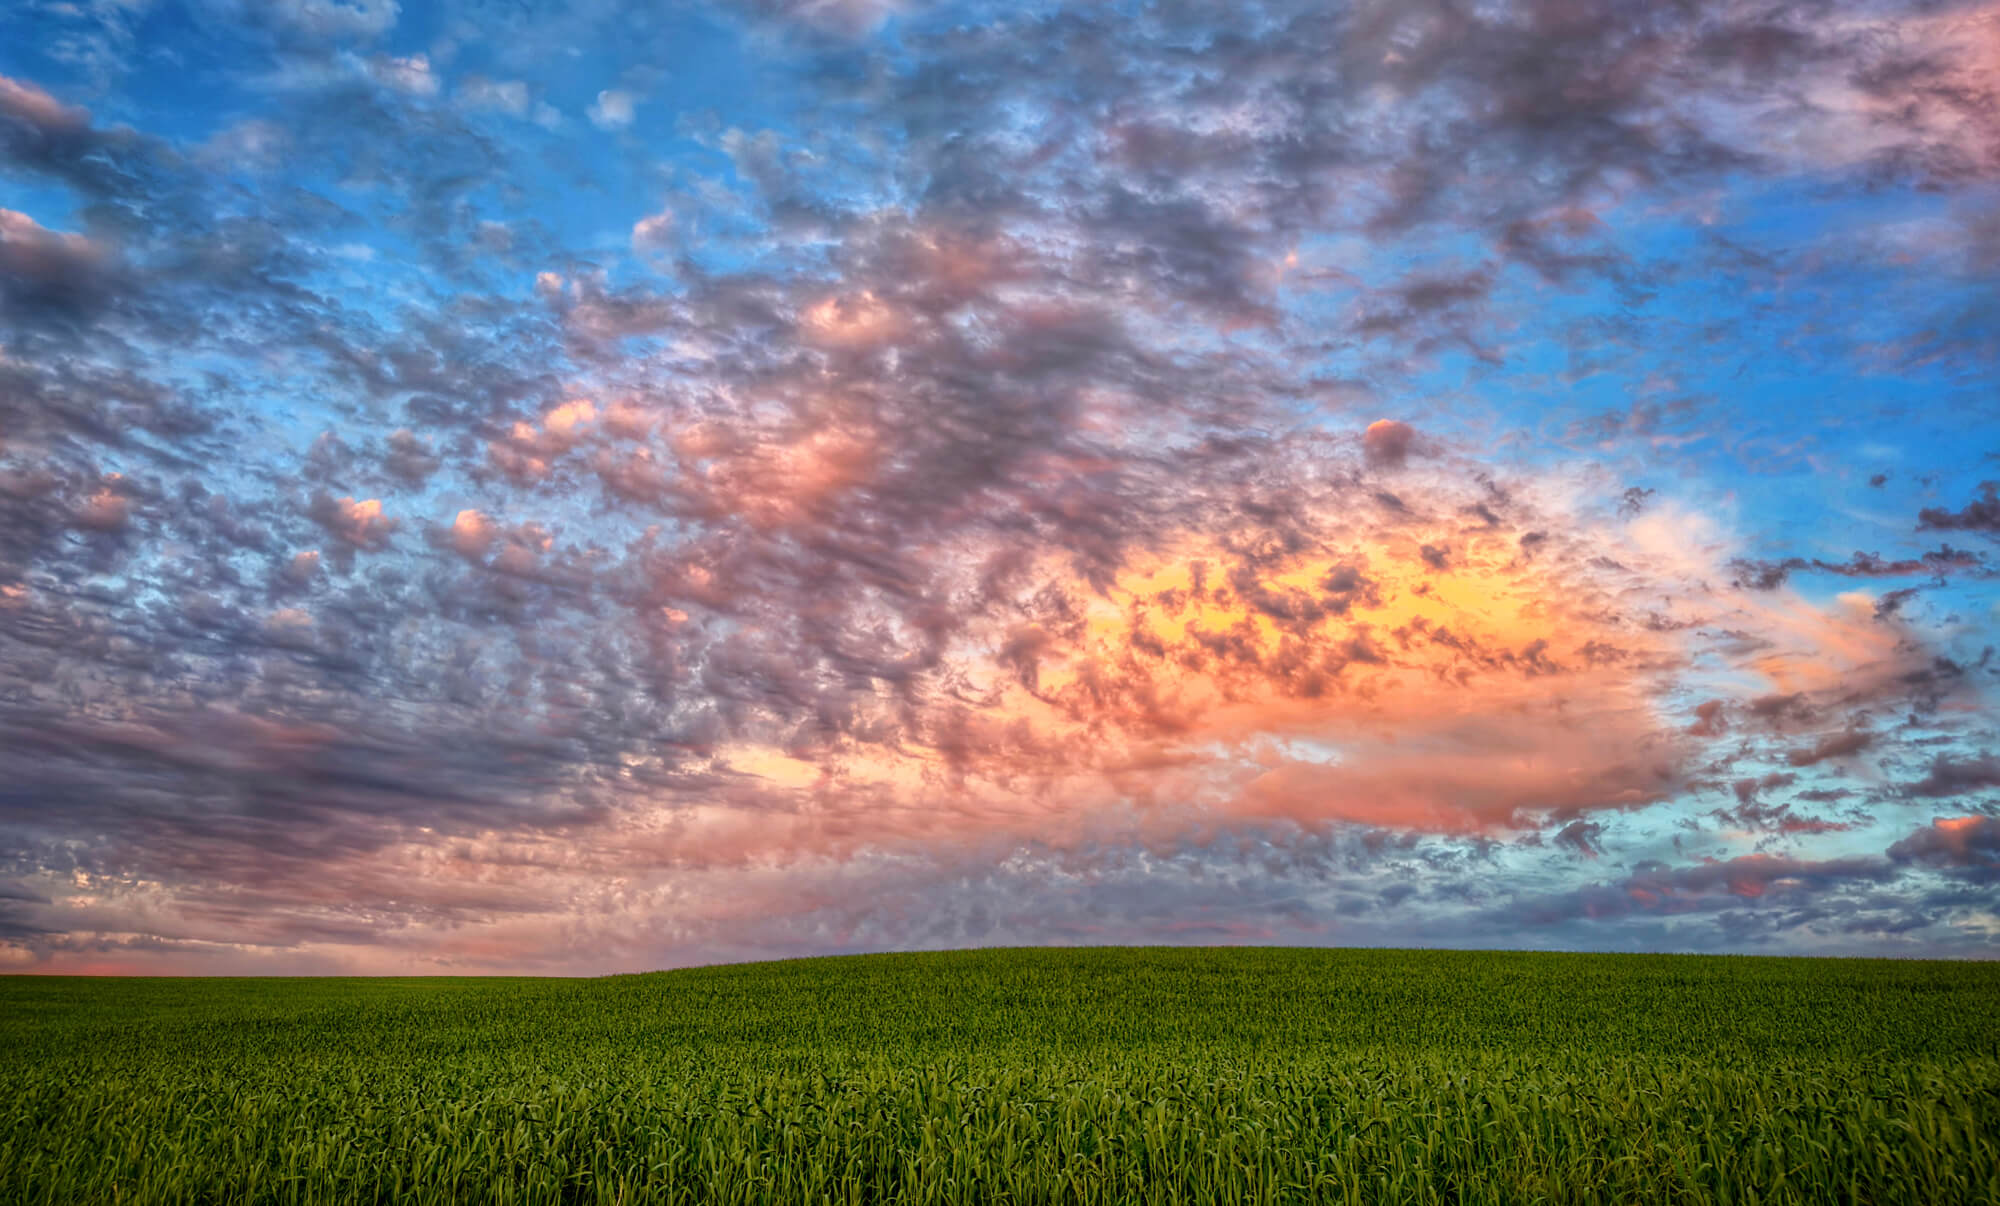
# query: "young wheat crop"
1079,1076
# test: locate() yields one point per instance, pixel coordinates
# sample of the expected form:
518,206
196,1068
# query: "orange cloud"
527,453
771,479
471,535
1415,668
566,423
107,509
1362,685
360,524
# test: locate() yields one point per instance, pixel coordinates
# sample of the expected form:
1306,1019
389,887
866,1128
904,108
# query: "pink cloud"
25,102
30,251
107,509
355,524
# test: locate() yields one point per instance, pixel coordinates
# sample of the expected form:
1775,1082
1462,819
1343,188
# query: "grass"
1094,1075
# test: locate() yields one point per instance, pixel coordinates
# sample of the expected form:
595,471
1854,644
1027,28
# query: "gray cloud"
1982,514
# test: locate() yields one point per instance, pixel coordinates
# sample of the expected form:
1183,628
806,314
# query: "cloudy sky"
495,485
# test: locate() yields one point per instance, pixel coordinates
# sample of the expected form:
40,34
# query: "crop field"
1108,1075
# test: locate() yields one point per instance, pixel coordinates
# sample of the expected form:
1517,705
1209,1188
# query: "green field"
1095,1075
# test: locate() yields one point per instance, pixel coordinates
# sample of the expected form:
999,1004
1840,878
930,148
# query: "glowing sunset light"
583,488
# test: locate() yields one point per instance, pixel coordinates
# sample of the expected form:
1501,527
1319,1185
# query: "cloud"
355,525
107,508
1982,514
1967,846
1950,776
319,20
1582,837
1770,575
1833,745
967,516
409,460
613,109
653,232
1658,889
1805,892
31,112
58,273
410,74
471,535
504,96
302,570
1387,442
843,18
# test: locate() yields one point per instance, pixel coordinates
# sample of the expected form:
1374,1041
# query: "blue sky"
516,486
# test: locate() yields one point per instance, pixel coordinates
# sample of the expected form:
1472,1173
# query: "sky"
504,486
